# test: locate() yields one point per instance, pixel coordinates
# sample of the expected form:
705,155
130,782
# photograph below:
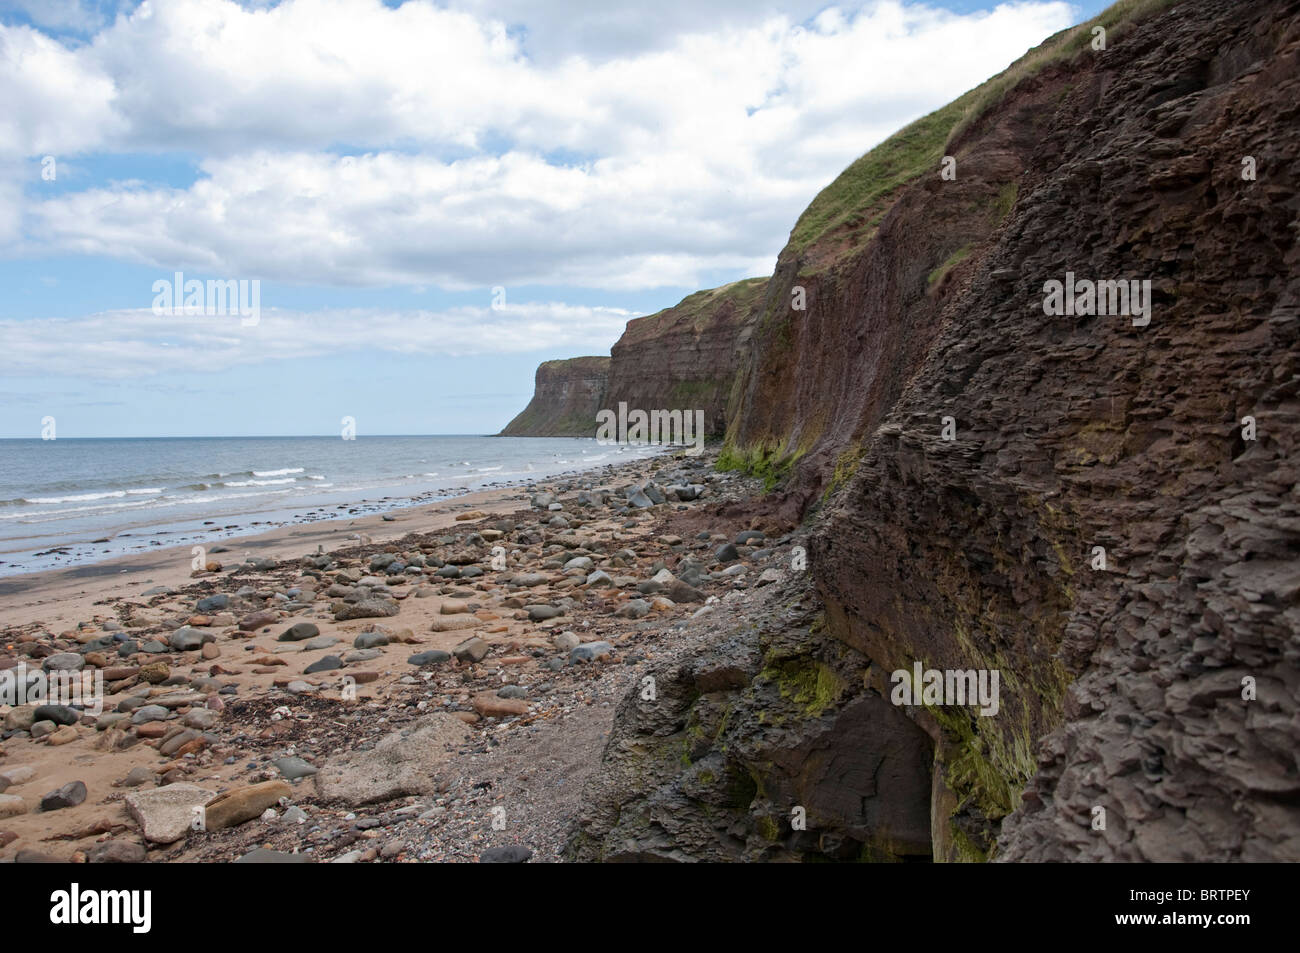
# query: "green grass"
1117,19
1005,199
860,189
698,308
763,461
861,193
955,259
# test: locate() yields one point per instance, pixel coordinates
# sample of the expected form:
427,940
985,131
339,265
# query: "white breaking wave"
258,482
285,471
79,498
33,516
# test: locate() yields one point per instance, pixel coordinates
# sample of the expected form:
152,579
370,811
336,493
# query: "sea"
66,502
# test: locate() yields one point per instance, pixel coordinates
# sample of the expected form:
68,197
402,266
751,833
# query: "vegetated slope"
878,255
1121,688
566,397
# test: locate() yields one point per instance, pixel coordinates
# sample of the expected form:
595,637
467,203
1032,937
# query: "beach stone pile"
533,609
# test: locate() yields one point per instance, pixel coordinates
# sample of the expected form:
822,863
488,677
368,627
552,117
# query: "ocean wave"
68,511
284,472
141,492
78,498
259,482
315,476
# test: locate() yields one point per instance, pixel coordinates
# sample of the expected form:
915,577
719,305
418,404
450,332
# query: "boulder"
404,762
166,814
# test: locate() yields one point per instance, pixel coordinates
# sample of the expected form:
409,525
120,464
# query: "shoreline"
24,555
170,565
224,681
384,510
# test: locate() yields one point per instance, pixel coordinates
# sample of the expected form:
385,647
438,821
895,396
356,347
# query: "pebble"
294,768
299,632
117,852
62,736
633,609
70,795
137,776
590,652
149,713
59,714
214,603
472,650
18,774
63,662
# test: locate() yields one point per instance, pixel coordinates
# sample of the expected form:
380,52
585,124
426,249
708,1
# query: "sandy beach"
65,595
337,690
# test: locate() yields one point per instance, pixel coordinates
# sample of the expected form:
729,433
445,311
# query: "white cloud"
127,345
700,140
55,99
398,219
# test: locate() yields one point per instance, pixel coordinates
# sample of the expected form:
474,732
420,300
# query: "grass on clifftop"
698,308
861,192
859,189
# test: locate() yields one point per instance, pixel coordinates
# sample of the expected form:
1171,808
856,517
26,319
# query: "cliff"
1103,528
686,357
681,358
566,397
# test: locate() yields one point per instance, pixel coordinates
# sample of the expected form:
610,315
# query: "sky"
432,198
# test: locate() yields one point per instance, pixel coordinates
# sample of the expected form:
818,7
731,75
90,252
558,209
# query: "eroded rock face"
681,358
566,397
757,749
1121,688
1078,432
686,357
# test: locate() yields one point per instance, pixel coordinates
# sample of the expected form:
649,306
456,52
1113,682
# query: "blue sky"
389,172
